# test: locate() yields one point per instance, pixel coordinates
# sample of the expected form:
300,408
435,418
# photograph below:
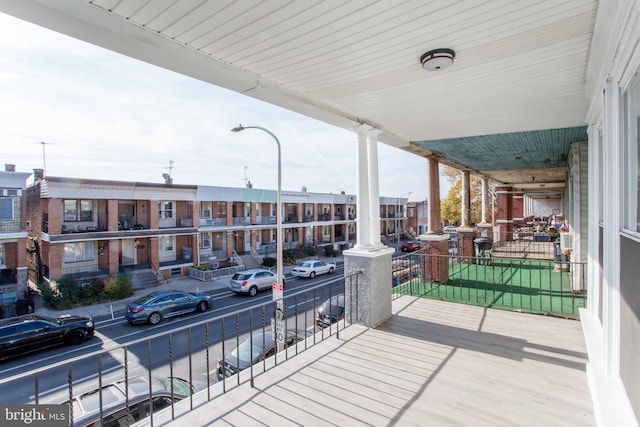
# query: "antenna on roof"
247,182
167,176
44,157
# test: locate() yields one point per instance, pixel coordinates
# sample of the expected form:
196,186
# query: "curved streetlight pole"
408,193
279,242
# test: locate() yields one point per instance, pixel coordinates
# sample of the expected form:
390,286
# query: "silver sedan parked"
313,268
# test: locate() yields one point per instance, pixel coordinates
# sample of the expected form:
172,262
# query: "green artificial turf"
513,284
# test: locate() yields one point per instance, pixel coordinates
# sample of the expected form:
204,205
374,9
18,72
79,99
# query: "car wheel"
253,291
312,275
76,336
202,306
155,318
331,270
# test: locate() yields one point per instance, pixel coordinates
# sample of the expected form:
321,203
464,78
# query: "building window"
632,157
221,209
165,210
6,209
205,240
76,252
166,243
72,207
70,210
206,209
86,210
326,232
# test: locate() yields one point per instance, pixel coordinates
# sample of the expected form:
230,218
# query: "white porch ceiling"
520,66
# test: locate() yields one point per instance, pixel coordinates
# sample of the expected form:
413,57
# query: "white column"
485,200
374,188
363,215
466,199
433,195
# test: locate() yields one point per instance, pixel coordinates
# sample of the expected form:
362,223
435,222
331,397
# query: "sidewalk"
182,283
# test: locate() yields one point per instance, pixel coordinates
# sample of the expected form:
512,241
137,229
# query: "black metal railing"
526,285
521,244
190,352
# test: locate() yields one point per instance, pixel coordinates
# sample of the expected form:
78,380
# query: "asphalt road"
187,346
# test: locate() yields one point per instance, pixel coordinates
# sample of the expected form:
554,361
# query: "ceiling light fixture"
437,59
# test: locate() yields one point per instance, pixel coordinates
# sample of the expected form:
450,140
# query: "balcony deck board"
432,363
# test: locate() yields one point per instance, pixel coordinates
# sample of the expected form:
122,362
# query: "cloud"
107,116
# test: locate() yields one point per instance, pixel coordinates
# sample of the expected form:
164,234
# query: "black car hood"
231,361
65,320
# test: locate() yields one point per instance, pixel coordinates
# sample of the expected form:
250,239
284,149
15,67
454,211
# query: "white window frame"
69,213
631,177
206,209
205,240
79,207
78,252
166,209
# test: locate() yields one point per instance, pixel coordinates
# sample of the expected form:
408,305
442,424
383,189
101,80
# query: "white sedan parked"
312,268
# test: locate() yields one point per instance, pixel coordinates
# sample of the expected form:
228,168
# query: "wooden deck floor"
432,364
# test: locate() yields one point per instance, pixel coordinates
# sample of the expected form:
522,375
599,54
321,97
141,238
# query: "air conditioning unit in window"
565,241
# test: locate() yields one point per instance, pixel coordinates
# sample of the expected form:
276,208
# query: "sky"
78,110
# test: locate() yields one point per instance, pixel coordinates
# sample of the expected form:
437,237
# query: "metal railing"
194,350
524,244
526,285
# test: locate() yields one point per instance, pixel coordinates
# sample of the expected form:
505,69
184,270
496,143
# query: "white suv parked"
252,281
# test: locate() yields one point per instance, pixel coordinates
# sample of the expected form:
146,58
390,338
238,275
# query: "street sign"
280,331
277,289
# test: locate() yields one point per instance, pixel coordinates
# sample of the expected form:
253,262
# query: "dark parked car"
264,346
331,311
410,246
118,409
154,307
33,332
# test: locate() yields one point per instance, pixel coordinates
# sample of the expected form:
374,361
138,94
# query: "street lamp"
279,242
408,193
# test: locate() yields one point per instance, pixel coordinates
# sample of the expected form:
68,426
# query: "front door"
129,255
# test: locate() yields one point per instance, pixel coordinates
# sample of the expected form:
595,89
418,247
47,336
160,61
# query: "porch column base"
436,267
485,230
373,286
465,248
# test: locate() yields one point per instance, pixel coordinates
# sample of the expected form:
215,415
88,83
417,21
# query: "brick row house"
91,228
13,240
88,228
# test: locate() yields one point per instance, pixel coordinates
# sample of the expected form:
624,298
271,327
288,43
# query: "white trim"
611,405
611,217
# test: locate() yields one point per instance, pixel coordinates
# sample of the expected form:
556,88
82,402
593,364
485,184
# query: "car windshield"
180,386
332,308
248,354
305,264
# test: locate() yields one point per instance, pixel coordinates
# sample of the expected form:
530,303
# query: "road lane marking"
60,387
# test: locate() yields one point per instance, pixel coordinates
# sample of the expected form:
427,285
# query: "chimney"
38,174
9,167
